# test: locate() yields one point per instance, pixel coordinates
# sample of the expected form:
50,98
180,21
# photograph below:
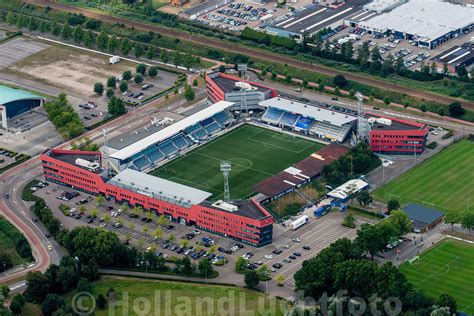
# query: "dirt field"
69,69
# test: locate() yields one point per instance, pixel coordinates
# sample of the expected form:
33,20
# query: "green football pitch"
446,268
255,153
445,181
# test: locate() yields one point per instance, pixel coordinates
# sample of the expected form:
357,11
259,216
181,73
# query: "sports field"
445,181
255,153
446,268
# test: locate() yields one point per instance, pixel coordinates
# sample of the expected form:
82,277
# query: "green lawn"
445,180
255,153
446,268
180,298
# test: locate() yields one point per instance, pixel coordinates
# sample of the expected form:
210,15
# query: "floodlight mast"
226,168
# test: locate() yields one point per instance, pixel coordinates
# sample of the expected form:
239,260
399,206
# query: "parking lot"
18,49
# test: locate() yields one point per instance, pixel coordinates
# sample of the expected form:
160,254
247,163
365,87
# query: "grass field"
445,180
179,298
255,154
446,268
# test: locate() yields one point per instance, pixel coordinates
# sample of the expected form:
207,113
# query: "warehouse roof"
159,188
171,130
429,19
8,94
317,113
456,54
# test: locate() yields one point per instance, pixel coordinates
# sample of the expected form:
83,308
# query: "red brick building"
393,136
224,87
245,221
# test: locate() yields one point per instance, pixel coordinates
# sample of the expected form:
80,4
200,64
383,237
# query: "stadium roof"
429,19
350,187
317,113
8,94
159,188
171,130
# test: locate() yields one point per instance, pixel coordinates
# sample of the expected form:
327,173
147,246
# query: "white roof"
348,188
317,113
171,130
429,19
159,188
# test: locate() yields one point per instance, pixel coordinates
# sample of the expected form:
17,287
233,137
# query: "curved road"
255,53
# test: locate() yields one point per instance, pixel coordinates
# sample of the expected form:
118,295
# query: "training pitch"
446,268
255,153
445,181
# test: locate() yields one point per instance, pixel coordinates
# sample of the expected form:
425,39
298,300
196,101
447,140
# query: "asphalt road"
251,52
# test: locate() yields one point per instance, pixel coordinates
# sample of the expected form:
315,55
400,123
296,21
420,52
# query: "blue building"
14,102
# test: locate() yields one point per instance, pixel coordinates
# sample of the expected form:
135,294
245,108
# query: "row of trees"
465,219
359,160
343,266
19,241
65,119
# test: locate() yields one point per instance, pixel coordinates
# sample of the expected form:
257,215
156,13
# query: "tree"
467,222
188,61
141,69
340,81
78,34
205,267
101,301
99,88
158,233
264,273
44,26
66,31
138,50
55,29
176,58
462,72
162,220
109,93
17,304
138,78
123,86
88,39
195,83
99,200
184,243
401,222
10,18
423,108
102,40
441,111
452,217
5,290
52,303
386,100
150,53
251,279
189,93
241,265
171,238
393,205
125,46
349,220
455,109
33,24
153,71
279,279
446,300
127,75
112,43
364,198
111,82
369,239
212,249
164,56
358,277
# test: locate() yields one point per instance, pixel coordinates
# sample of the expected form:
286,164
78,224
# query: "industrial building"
245,221
244,94
393,136
312,19
14,102
381,6
456,56
428,23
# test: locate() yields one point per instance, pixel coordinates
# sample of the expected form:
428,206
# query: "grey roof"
317,113
127,139
159,188
425,18
422,214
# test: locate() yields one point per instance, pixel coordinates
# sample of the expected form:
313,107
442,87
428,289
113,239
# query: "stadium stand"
320,122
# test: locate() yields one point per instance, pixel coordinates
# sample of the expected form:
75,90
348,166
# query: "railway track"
254,53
